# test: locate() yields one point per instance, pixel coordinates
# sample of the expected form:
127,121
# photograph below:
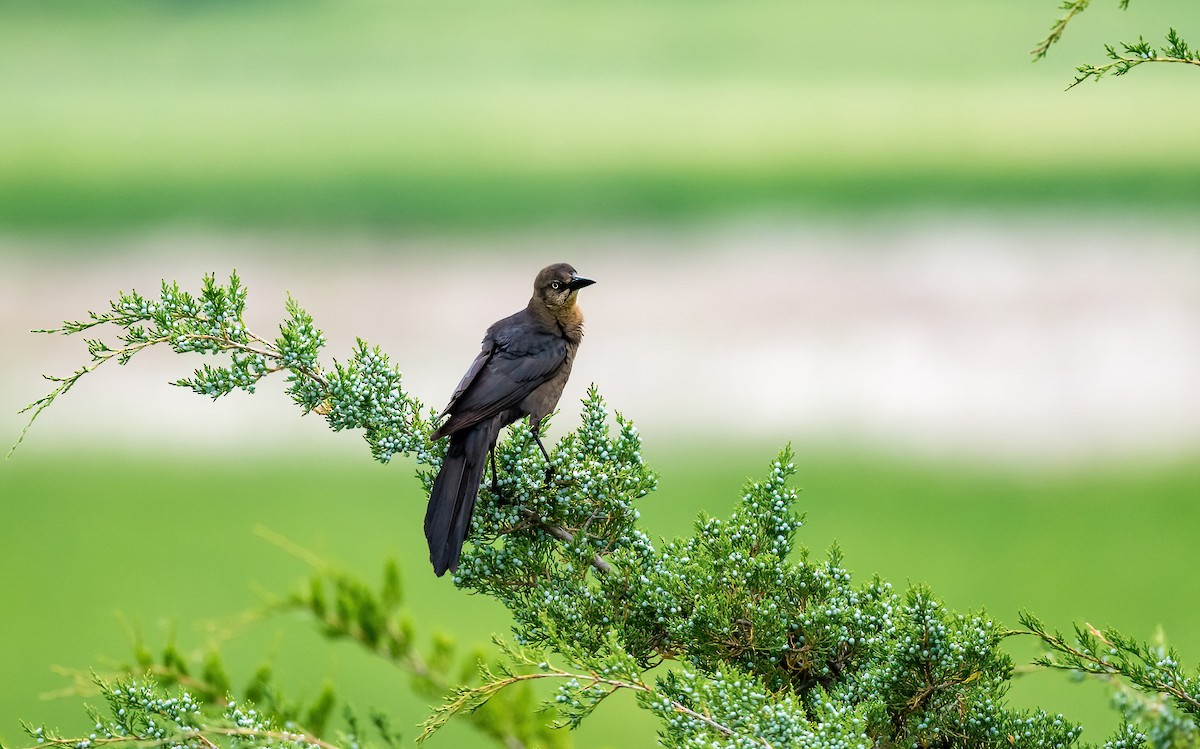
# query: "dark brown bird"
521,370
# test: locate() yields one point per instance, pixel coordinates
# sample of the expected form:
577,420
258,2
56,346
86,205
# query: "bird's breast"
544,398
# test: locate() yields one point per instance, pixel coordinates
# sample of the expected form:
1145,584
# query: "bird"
522,367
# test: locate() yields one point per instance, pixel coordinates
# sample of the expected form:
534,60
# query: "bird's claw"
501,497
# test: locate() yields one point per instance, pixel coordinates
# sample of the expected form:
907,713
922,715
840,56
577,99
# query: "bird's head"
557,285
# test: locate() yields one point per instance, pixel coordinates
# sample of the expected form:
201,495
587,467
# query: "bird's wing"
518,362
485,353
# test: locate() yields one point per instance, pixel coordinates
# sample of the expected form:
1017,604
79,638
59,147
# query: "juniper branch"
212,323
1072,8
144,715
346,608
562,534
1176,51
582,689
1108,653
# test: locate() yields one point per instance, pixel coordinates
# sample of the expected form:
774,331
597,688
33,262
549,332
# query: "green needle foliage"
341,607
364,392
145,713
734,636
1131,55
345,608
1176,50
1156,689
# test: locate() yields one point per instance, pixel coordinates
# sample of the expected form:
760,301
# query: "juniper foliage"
1131,54
1155,690
144,713
735,636
364,392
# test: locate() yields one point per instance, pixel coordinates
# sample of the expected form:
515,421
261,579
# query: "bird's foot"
501,497
551,470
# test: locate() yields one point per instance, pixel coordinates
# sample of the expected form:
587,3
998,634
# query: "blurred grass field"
96,547
374,114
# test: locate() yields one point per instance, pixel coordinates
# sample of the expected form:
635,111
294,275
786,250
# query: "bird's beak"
578,282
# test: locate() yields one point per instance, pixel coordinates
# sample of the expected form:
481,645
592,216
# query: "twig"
562,534
593,678
1073,8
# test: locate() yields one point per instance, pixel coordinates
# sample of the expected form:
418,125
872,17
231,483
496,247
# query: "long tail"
448,516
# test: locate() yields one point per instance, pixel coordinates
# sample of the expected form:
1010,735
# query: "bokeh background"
875,230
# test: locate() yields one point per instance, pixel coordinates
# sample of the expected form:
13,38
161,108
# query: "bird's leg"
536,428
500,498
495,483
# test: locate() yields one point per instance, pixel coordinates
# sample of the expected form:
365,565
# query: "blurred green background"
319,114
273,134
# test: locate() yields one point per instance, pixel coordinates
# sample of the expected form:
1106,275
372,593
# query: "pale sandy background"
1073,339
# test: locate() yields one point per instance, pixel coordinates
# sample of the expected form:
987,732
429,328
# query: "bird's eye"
555,285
